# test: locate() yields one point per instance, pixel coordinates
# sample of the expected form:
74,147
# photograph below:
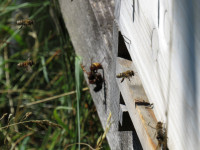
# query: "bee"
95,66
161,136
94,78
126,74
144,103
98,81
24,22
26,65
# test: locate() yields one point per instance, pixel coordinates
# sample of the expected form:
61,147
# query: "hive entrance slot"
122,49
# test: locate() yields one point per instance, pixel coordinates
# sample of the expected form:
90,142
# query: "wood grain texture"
132,92
165,50
95,39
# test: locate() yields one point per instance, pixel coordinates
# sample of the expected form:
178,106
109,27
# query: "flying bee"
27,65
95,66
161,136
126,74
24,22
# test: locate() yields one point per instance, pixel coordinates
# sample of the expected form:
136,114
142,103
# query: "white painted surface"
168,64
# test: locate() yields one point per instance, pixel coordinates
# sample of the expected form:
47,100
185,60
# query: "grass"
51,107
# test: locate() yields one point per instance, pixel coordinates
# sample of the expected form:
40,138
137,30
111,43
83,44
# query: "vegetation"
49,108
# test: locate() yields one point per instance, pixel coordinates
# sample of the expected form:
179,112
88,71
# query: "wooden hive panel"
164,49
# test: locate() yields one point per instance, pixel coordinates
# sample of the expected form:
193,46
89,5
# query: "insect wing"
28,69
19,66
21,27
26,22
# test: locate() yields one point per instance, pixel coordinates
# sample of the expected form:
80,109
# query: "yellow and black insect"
126,74
161,136
24,22
27,65
94,77
95,66
144,103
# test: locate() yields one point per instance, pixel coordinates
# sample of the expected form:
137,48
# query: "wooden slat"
132,92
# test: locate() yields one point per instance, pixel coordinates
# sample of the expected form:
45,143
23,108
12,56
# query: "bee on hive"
161,136
96,79
95,66
93,76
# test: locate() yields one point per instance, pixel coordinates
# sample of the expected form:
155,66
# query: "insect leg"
150,106
28,69
21,27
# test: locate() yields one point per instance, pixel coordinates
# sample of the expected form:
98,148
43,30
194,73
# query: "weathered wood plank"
164,46
91,34
133,92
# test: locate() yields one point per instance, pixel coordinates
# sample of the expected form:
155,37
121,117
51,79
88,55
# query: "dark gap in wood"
105,92
122,50
125,122
121,100
136,142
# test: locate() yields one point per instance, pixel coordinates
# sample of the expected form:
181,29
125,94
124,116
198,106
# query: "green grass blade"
1,68
9,39
39,10
23,5
10,31
44,69
23,145
54,140
78,78
58,119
